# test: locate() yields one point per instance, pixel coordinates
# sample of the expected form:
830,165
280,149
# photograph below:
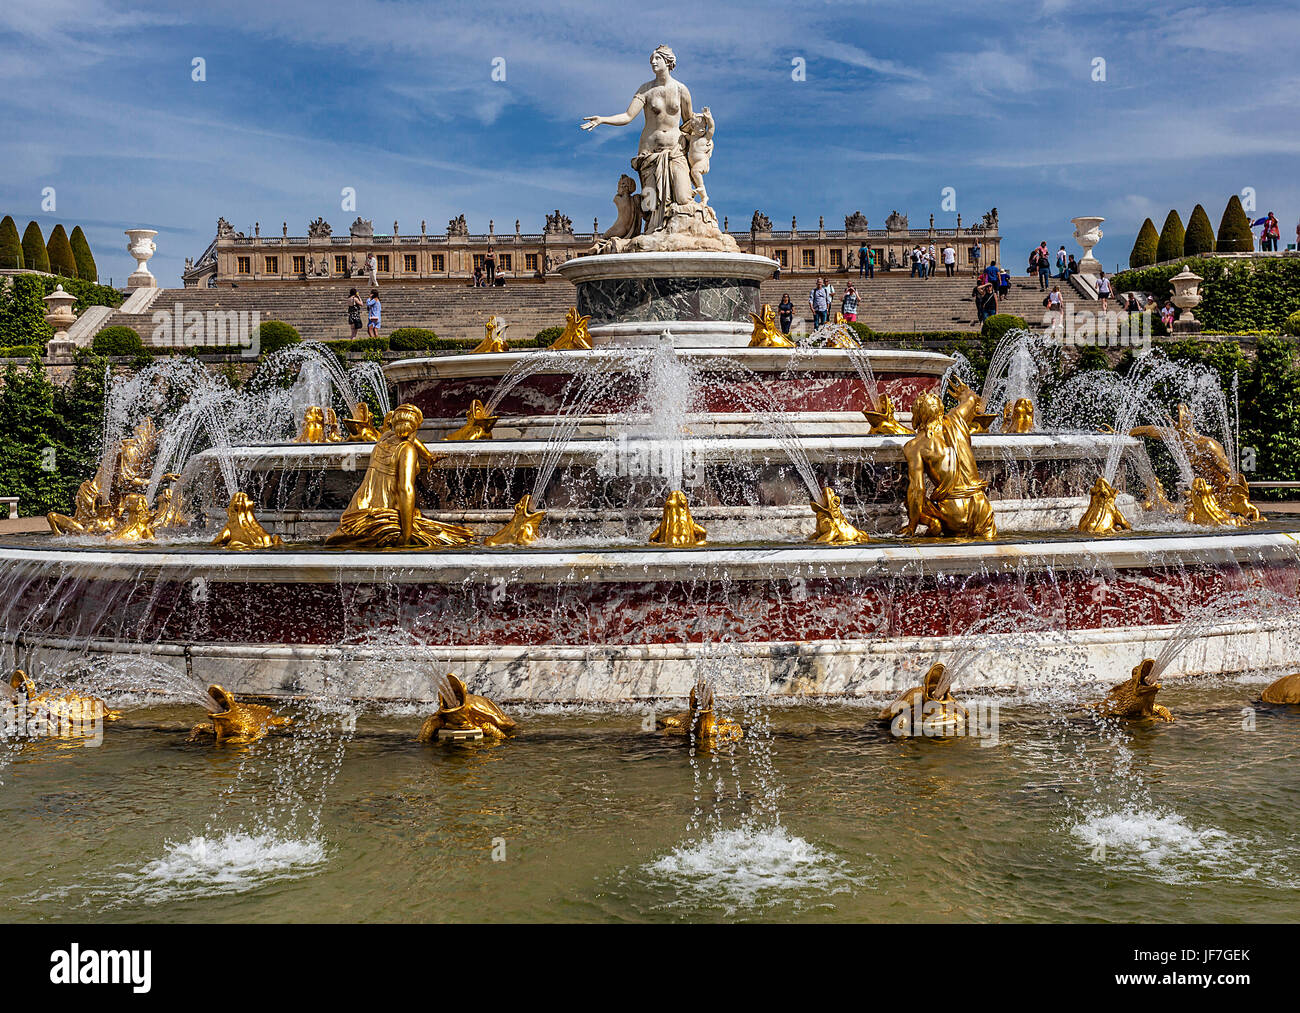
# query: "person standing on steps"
934,260
819,303
849,307
949,260
871,259
1004,282
975,257
1103,290
372,269
1061,258
785,313
373,310
490,266
864,260
355,306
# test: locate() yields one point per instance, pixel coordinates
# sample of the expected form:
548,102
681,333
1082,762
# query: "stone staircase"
890,302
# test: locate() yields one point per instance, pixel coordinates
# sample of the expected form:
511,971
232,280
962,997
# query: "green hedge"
118,340
21,351
88,293
22,313
273,335
1238,296
412,339
1200,234
1234,229
1145,245
548,336
1172,237
1292,325
996,326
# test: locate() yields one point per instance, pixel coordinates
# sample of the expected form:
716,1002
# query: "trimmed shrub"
1200,234
11,247
548,336
22,314
862,333
412,339
35,255
1145,246
88,293
1292,325
996,326
86,269
1172,236
1234,230
370,345
117,340
59,250
272,335
20,352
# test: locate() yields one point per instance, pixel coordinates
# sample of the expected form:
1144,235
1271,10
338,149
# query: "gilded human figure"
382,513
941,454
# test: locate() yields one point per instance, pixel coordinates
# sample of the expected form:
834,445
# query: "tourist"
1004,282
373,309
830,295
949,260
1041,262
975,256
986,300
1055,306
1271,234
1103,290
1061,258
1167,314
993,274
870,262
490,266
1131,303
1071,268
819,303
785,313
932,259
478,277
849,307
372,269
864,260
355,305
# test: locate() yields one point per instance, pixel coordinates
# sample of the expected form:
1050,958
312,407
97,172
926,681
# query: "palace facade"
236,259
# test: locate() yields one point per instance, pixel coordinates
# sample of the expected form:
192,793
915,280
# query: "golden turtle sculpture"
235,722
929,710
1135,698
466,711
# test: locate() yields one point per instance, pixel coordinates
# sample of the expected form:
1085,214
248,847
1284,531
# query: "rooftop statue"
672,158
941,453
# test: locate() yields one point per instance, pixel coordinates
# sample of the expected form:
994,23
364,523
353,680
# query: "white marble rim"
488,364
883,558
702,264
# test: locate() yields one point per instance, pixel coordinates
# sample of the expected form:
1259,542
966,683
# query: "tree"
11,247
35,256
59,250
29,456
22,313
1172,235
86,268
1145,246
1200,234
1234,230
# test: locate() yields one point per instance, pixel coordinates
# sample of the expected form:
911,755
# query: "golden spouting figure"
1239,500
941,454
465,711
1135,697
833,528
929,709
522,528
841,336
383,513
131,465
575,336
1018,416
313,426
169,508
1203,507
1102,517
678,527
883,422
361,424
699,722
243,530
235,722
1285,690
136,523
333,432
91,517
1154,498
765,333
494,337
478,424
54,713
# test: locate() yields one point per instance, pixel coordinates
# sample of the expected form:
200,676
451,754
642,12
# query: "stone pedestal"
1186,296
60,316
141,246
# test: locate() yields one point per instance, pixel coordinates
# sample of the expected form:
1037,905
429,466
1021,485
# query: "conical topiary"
86,269
60,252
1234,230
1200,234
1171,239
35,256
11,247
1144,247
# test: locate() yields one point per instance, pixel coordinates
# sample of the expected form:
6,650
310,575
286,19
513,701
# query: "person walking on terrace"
355,306
373,311
819,303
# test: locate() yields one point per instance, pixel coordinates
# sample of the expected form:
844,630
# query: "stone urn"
141,246
1087,233
60,316
1186,297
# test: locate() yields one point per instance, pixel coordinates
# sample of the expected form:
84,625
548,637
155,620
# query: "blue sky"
396,99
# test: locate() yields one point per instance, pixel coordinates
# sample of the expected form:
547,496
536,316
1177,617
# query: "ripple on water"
233,863
749,868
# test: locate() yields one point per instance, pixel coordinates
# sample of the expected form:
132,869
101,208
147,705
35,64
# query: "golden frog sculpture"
1285,690
313,426
90,517
54,713
494,337
333,431
1239,500
361,425
136,524
235,722
678,527
463,710
522,528
1018,416
169,508
928,710
765,333
575,336
478,424
1135,697
833,528
699,723
883,422
1102,517
243,530
382,513
1204,508
1155,499
941,454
